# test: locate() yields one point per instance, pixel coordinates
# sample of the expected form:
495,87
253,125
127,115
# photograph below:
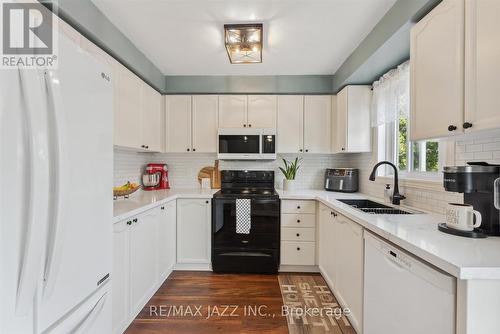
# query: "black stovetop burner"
245,183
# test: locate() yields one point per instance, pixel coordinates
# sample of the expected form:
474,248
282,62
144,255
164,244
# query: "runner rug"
310,307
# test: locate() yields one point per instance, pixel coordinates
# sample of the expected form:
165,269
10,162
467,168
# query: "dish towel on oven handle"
243,215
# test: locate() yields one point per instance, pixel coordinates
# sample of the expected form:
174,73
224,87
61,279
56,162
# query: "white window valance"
391,96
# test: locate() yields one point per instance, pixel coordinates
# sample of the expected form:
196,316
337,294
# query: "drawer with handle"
298,206
298,220
298,234
300,253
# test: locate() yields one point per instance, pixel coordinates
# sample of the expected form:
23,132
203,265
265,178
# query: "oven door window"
268,144
264,230
239,144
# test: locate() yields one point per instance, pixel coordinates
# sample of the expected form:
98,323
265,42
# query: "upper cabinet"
317,123
290,123
252,111
437,72
352,129
178,123
482,65
233,111
455,73
138,112
152,120
127,105
205,117
262,111
191,123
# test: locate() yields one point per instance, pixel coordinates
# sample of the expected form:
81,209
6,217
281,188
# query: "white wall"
184,168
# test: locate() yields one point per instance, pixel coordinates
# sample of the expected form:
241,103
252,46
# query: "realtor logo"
27,35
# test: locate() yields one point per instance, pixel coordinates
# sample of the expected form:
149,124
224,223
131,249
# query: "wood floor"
204,302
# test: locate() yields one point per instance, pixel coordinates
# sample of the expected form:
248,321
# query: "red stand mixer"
155,177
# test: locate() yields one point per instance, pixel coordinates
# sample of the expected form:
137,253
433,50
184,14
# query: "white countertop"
462,257
141,200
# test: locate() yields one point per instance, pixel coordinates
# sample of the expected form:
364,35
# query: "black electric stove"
246,223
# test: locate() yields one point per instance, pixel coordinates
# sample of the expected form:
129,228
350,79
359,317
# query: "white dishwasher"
403,295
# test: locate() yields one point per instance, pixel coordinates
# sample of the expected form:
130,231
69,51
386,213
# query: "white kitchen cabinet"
326,244
262,111
437,72
482,65
143,258
348,284
166,239
290,123
352,128
127,108
120,275
193,231
178,123
317,123
138,112
233,111
152,120
205,123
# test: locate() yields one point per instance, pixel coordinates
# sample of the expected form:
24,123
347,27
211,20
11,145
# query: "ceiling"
301,37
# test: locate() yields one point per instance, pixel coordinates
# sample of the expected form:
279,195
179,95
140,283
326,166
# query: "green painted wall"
281,84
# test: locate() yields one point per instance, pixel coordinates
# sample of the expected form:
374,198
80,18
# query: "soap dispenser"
387,193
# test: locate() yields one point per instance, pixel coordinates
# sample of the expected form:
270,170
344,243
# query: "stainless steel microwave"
246,144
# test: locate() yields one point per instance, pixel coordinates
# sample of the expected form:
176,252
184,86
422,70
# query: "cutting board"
212,173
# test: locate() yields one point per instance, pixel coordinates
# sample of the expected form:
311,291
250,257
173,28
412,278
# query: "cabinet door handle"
163,208
194,149
452,128
129,222
467,125
298,248
134,220
298,234
188,149
249,125
300,150
307,150
206,202
343,148
244,125
298,220
298,207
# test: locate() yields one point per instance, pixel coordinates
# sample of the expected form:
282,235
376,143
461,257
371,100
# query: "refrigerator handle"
495,193
54,239
36,214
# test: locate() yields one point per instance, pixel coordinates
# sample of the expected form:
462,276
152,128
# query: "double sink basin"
372,207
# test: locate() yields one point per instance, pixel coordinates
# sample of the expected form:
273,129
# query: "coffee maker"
155,177
479,182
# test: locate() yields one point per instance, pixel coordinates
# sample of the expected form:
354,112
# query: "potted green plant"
289,170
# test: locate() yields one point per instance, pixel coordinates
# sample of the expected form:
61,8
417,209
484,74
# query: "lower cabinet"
143,256
340,260
193,231
166,238
326,247
348,284
143,263
298,232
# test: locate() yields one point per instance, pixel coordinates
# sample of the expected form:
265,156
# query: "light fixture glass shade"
243,43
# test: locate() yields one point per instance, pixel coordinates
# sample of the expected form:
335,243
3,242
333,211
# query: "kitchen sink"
372,207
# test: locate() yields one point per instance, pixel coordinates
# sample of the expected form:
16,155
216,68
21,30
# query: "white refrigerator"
56,171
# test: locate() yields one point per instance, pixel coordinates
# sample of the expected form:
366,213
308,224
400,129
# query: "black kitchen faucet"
396,196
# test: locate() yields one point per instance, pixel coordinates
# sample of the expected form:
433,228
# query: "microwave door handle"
496,193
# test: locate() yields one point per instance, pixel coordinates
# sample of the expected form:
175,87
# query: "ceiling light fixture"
243,43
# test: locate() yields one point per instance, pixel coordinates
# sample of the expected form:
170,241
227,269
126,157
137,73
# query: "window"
390,114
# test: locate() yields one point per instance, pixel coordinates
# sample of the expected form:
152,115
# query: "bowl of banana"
125,190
